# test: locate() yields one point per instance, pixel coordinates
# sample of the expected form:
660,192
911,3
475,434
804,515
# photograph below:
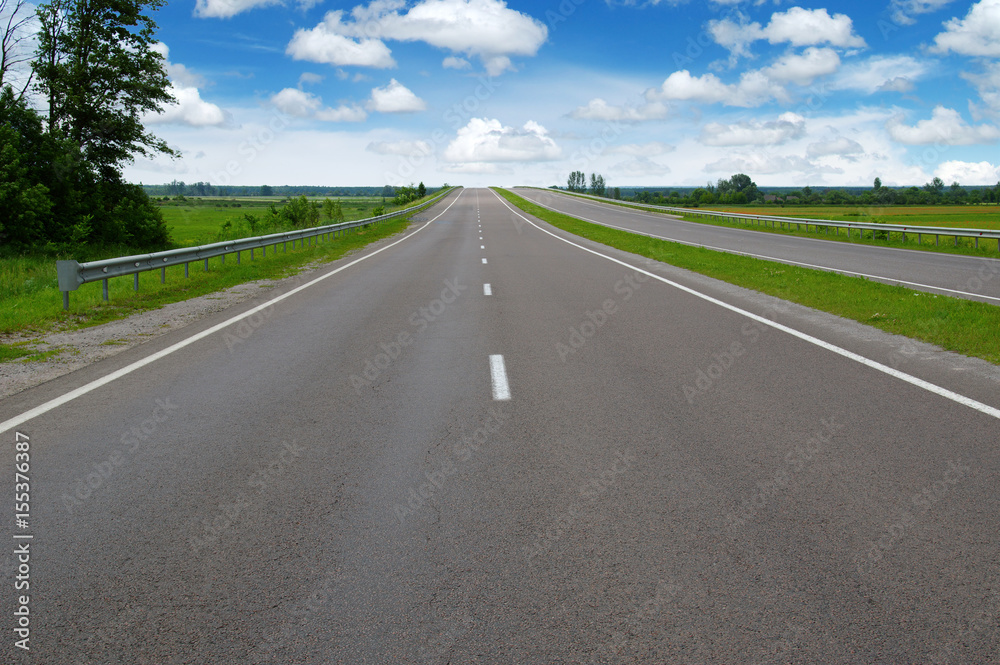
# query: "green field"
196,221
962,217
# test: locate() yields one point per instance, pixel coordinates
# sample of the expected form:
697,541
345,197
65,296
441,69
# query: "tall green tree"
99,72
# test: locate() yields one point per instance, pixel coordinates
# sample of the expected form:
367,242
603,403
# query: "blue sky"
485,92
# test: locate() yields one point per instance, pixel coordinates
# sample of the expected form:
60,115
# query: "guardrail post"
251,253
104,283
65,300
237,258
187,273
206,265
163,275
135,282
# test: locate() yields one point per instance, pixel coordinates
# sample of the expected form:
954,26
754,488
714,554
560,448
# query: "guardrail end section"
69,275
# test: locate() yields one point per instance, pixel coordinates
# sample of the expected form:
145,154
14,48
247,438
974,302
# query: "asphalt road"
960,276
668,478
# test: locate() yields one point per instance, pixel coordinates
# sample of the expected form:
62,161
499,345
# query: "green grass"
984,217
30,300
196,221
964,326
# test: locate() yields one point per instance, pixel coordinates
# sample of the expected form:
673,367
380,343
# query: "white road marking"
484,259
487,290
498,374
128,369
885,369
482,247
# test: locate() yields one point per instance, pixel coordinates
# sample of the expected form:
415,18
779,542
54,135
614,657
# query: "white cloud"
327,44
878,73
296,102
898,84
767,164
803,69
395,98
300,104
651,149
797,26
804,27
903,10
968,173
228,8
189,108
403,148
753,89
453,62
485,140
598,109
988,86
945,126
308,78
487,29
978,34
787,127
342,113
840,146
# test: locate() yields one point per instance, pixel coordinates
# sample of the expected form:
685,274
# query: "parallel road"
488,441
948,274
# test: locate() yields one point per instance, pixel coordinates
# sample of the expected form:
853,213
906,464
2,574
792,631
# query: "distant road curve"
967,277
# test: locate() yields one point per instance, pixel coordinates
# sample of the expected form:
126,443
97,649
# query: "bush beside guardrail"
72,274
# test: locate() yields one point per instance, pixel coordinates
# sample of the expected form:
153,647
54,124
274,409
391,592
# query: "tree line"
97,73
740,189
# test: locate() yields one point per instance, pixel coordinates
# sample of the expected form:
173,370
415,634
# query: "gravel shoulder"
75,349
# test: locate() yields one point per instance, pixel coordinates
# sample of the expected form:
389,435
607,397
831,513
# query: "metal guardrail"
920,231
73,274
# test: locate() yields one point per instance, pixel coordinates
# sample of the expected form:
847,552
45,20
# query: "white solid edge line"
487,290
498,375
128,369
771,258
885,369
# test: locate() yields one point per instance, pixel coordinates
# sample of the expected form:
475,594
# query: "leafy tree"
421,190
100,74
597,186
577,181
16,17
265,190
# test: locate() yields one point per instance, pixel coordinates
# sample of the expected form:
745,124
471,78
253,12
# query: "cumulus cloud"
395,98
840,147
968,173
902,11
486,29
486,140
189,108
804,68
230,8
987,84
945,126
753,89
797,26
787,127
598,109
327,44
881,73
978,34
300,104
454,62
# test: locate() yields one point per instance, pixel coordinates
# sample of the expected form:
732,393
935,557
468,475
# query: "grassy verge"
926,242
39,307
965,326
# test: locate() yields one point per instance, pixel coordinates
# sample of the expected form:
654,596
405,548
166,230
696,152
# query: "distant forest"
180,188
